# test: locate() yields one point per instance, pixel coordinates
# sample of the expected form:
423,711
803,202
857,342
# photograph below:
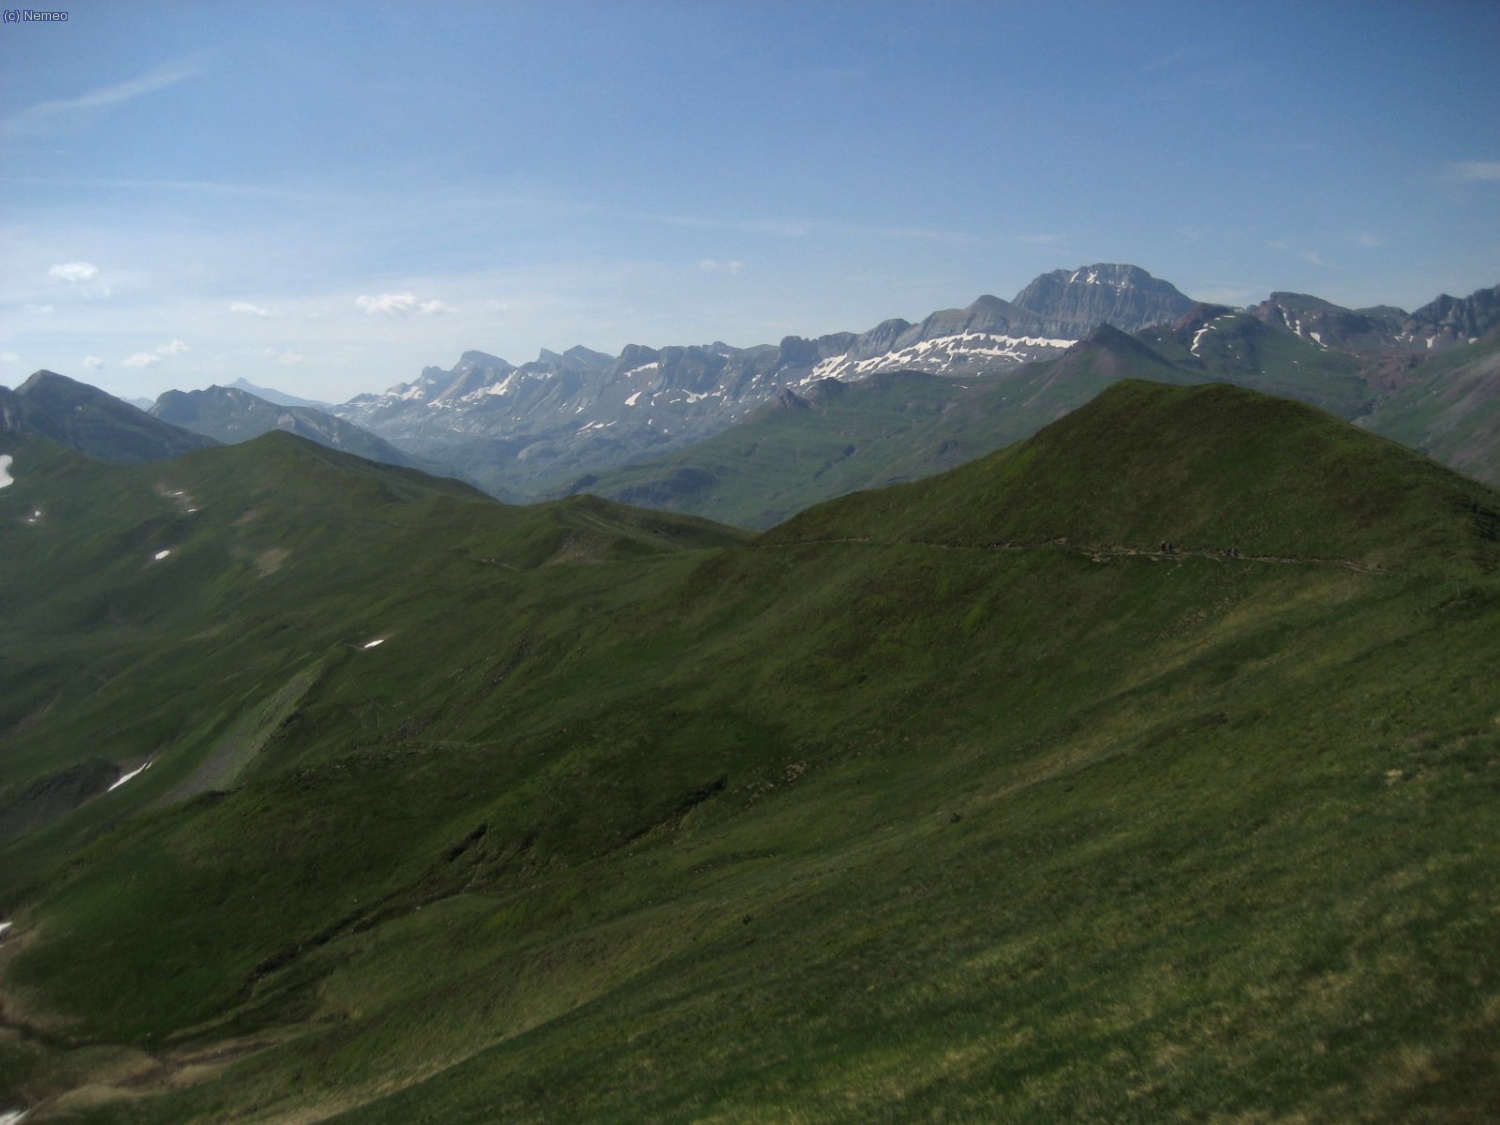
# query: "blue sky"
326,198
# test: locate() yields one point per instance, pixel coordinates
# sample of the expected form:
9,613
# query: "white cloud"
1365,238
1313,258
1467,171
75,273
153,357
1039,239
42,309
92,361
43,117
9,357
713,266
286,359
399,304
248,309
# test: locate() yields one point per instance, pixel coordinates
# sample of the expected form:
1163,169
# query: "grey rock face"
1445,323
1075,302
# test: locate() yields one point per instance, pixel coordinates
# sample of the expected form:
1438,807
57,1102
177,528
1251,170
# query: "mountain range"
537,428
1145,769
530,428
693,428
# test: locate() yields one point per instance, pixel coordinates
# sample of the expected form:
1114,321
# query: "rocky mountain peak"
1071,303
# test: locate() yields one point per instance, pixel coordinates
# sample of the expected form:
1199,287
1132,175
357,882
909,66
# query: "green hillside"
1450,410
958,800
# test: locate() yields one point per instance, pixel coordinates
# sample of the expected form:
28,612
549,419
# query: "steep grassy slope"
1451,410
955,800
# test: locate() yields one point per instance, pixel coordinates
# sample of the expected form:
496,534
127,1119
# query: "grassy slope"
867,820
1450,411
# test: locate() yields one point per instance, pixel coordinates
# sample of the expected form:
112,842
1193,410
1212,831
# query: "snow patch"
500,388
162,554
1430,339
133,773
631,400
376,641
5,926
6,460
12,1116
939,354
641,370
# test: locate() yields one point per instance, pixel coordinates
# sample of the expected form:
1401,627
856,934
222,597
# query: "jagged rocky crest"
565,408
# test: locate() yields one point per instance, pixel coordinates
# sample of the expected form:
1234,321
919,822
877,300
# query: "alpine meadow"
1076,706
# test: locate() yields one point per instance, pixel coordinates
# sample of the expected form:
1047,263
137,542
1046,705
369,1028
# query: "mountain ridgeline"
539,428
87,419
528,428
898,427
229,415
1126,773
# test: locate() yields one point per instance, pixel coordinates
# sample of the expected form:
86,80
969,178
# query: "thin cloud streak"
1469,171
44,116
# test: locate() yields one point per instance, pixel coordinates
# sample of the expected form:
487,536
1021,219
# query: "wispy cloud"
152,358
1468,171
400,304
92,361
712,265
9,357
285,358
43,117
1311,257
247,309
1039,239
1365,238
75,273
